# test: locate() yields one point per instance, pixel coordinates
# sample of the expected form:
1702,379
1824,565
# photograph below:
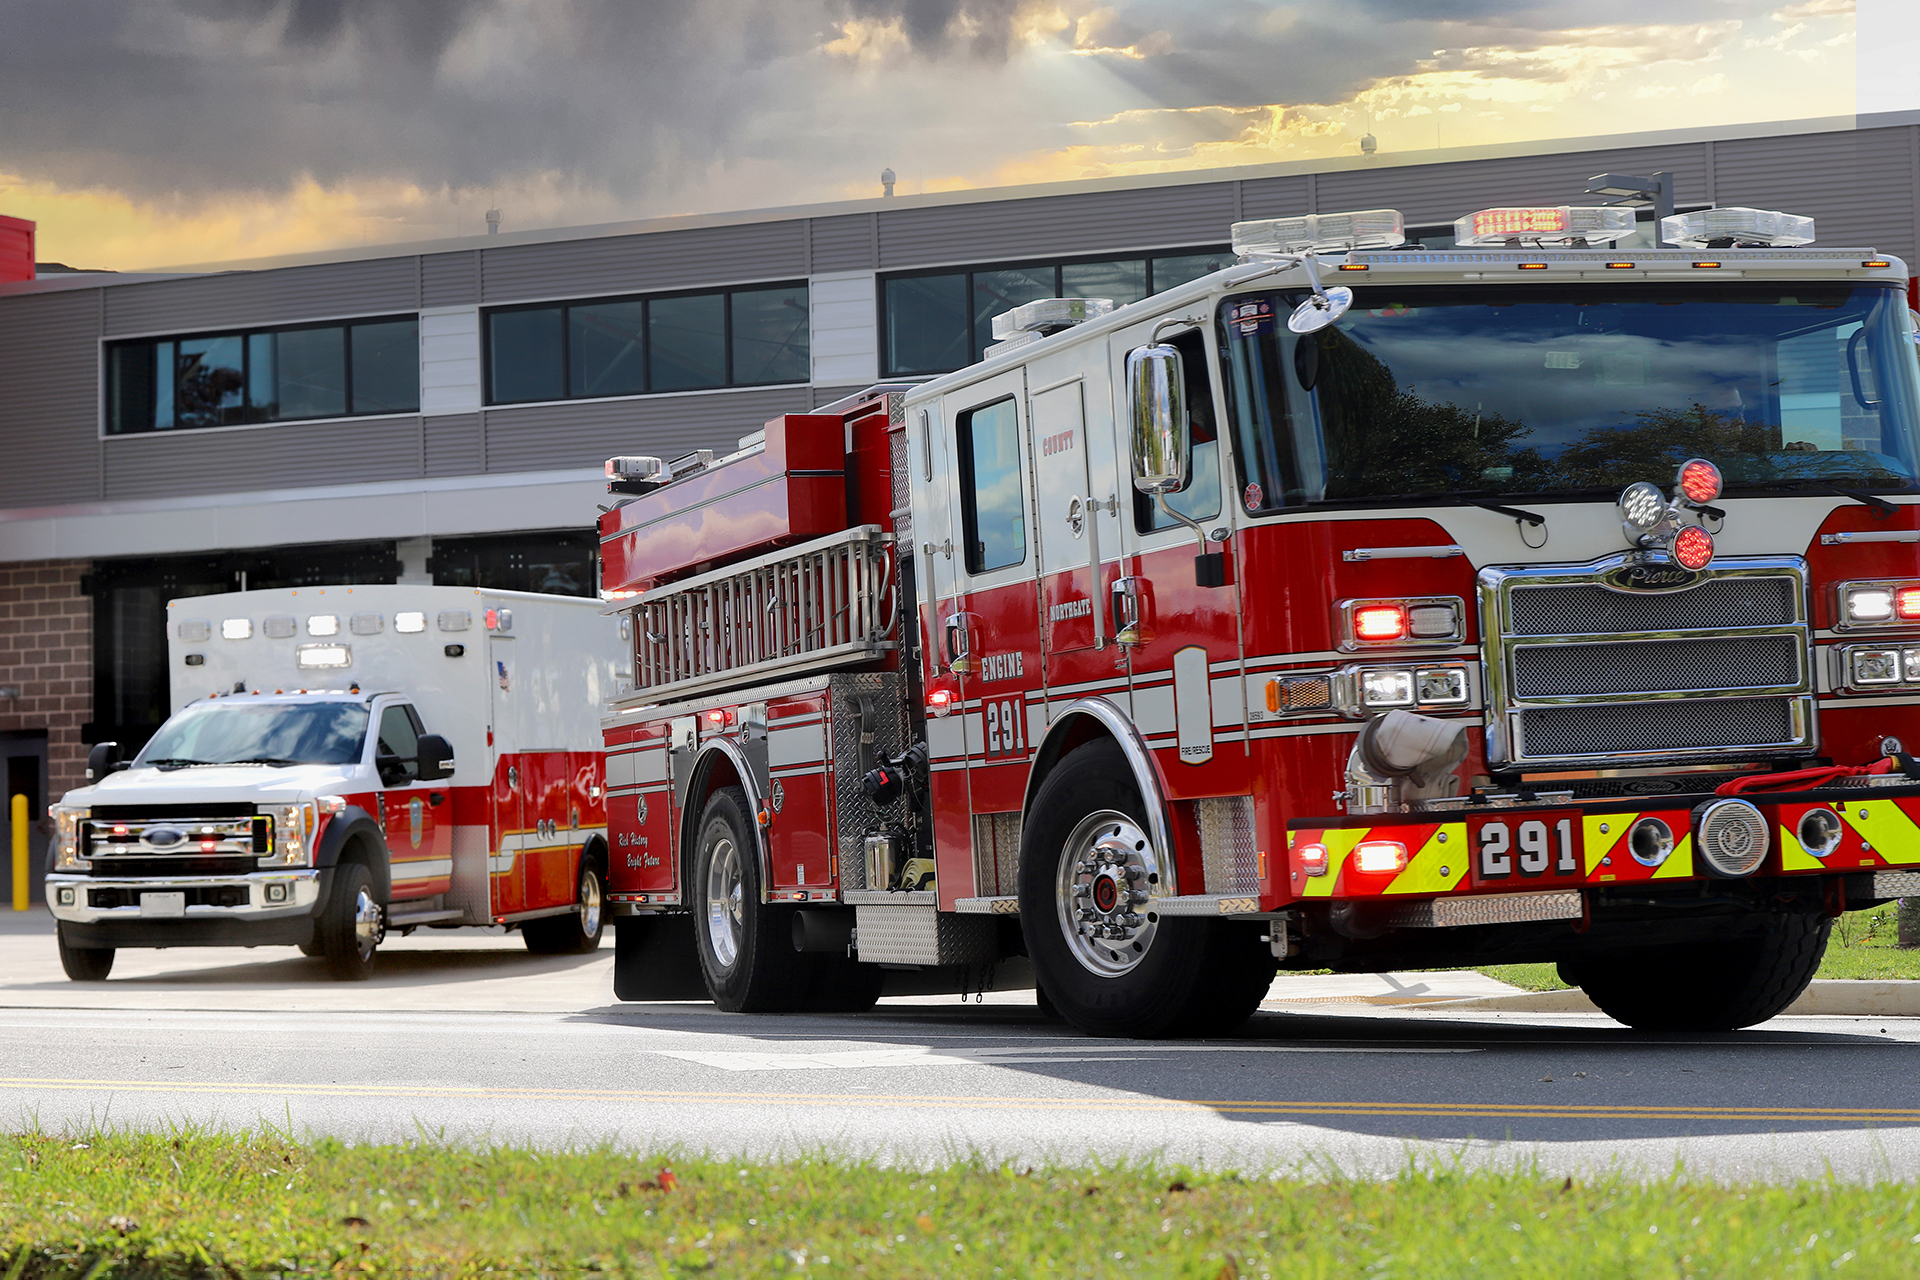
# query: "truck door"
1182,638
931,457
419,848
1076,528
508,828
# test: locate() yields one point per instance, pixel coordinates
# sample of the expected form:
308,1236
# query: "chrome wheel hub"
369,923
1110,876
589,904
725,908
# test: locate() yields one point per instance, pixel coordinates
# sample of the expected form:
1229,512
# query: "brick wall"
46,652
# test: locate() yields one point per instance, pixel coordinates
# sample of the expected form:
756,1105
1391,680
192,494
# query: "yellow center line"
1129,1104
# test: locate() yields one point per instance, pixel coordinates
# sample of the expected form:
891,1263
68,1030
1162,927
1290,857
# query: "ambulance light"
323,624
1313,859
1320,233
499,619
1736,227
409,623
1417,621
1558,224
635,468
1878,604
1049,315
324,655
236,628
1380,857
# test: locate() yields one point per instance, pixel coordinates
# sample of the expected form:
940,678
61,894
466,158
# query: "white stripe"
422,869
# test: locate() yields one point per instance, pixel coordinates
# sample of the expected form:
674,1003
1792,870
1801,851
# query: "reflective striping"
1598,843
1679,863
1440,864
422,869
1885,826
796,744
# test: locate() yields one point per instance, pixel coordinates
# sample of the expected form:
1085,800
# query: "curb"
1824,997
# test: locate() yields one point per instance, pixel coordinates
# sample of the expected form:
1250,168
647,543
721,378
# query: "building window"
555,563
993,509
264,375
631,346
937,322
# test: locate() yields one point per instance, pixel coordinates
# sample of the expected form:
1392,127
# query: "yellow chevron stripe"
1439,865
1598,844
1885,826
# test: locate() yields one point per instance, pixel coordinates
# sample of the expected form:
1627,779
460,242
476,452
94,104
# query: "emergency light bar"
1542,224
1320,233
1736,227
1049,315
636,475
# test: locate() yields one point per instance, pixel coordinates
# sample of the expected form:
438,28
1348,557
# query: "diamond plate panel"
884,696
1227,849
923,935
996,854
1492,908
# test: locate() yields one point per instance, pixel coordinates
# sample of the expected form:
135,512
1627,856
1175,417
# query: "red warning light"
1693,548
1380,622
1699,480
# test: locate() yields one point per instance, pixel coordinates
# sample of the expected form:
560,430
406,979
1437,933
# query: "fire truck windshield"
270,733
1572,390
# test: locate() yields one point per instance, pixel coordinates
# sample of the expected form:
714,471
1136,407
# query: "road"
466,1036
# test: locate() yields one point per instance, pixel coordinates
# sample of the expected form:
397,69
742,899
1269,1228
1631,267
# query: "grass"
204,1204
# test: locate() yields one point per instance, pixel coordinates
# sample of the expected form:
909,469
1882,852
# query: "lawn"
198,1204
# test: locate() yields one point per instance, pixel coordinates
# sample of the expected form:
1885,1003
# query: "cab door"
419,847
1077,505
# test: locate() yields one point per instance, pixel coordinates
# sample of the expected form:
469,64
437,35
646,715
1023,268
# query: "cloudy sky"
146,132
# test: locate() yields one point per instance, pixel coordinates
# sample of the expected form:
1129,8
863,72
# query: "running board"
423,917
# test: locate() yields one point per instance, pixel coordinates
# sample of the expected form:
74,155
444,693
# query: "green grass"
200,1204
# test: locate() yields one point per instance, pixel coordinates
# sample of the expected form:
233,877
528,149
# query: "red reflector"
1693,549
120,829
1700,480
1906,604
1380,857
1380,622
1313,859
1519,222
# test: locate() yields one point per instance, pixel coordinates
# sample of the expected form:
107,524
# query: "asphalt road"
467,1037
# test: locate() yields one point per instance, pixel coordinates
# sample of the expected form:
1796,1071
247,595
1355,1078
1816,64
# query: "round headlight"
1642,505
1731,836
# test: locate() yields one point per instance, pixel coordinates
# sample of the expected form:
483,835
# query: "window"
555,564
631,346
993,509
399,736
264,375
942,321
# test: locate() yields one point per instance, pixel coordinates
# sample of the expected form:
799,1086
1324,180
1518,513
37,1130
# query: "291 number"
1530,851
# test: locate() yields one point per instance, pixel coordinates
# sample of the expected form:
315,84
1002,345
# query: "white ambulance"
344,761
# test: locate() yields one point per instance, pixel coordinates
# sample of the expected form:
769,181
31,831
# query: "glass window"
210,381
399,737
236,732
927,328
130,387
606,349
687,341
523,355
307,371
998,292
386,367
770,335
1124,281
1168,272
993,508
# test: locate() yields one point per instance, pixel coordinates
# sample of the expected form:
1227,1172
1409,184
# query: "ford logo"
1650,577
164,837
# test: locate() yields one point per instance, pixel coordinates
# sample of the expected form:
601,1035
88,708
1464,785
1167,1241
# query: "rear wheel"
577,932
1108,962
83,964
353,924
1708,985
745,945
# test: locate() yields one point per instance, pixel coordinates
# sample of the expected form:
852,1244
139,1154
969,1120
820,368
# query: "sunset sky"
140,133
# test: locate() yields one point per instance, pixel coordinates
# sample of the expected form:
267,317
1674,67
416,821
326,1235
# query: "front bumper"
240,902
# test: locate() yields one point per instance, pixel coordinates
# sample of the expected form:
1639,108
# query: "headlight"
66,838
293,826
1386,688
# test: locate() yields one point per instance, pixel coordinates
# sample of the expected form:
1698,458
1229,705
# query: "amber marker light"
1876,262
1706,266
1533,266
1355,266
1620,266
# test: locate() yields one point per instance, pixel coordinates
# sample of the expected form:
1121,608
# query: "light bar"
636,468
1542,224
1049,315
1320,232
1726,228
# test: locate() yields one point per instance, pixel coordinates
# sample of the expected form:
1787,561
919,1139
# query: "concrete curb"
1824,997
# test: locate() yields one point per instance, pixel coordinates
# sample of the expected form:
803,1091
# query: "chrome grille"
1580,672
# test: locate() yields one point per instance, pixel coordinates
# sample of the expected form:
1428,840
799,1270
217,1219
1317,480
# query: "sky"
141,133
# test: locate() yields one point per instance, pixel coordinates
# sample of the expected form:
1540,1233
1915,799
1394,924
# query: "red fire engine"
1360,606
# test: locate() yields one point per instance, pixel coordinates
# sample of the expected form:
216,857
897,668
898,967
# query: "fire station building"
439,412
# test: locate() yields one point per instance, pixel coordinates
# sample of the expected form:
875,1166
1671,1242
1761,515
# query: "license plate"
165,906
1513,850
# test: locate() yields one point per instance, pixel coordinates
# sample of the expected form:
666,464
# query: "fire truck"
1362,606
347,761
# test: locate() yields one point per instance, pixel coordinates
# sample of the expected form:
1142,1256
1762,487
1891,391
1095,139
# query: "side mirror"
436,758
103,760
1157,414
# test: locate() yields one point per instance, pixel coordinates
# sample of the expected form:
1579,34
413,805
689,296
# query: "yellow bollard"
19,853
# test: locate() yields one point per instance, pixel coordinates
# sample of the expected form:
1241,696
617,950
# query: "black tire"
578,932
352,924
311,947
745,945
1721,984
1171,976
83,964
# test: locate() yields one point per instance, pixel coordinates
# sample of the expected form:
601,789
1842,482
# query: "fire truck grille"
1581,673
1674,666
1656,726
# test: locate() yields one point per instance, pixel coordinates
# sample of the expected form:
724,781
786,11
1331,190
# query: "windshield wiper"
277,761
1881,507
1455,500
176,762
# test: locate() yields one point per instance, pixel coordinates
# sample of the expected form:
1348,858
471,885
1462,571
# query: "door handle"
436,798
1126,612
960,643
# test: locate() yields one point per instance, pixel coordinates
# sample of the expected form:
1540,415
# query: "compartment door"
508,829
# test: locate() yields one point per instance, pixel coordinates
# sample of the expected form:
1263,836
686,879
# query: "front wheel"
1108,962
83,964
352,925
1708,985
577,932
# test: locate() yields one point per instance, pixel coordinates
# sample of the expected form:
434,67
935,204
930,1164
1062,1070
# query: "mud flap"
654,959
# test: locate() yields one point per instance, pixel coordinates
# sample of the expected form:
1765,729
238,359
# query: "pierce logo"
1650,577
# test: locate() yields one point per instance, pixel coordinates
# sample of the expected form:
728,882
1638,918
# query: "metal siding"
450,279
285,456
1442,192
454,445
843,244
243,299
551,437
640,264
827,395
1008,230
1857,187
1273,197
50,369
